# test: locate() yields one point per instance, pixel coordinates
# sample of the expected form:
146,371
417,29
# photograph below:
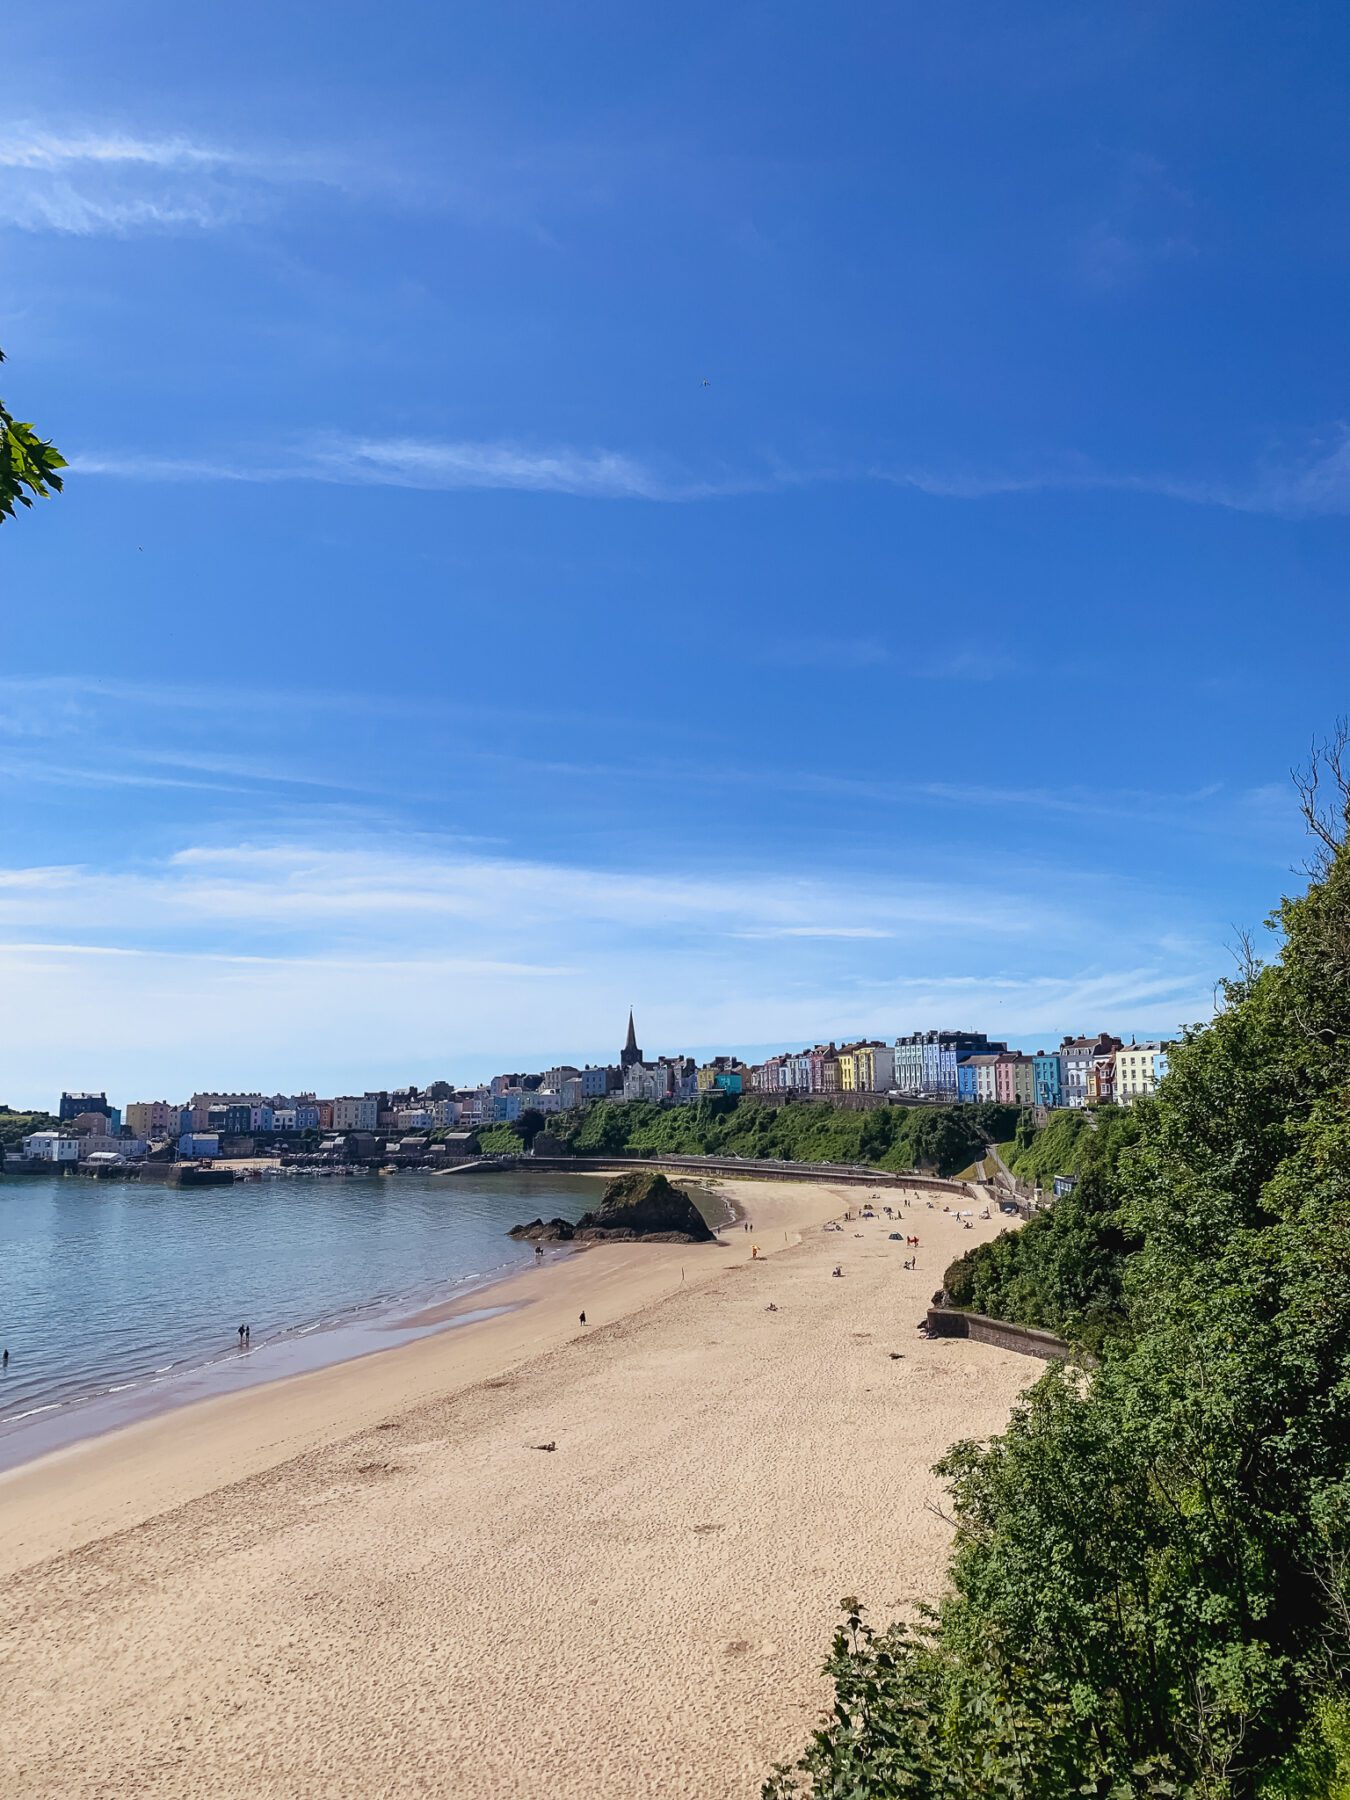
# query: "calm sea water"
120,1298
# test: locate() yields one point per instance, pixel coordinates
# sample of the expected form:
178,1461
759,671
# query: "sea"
123,1298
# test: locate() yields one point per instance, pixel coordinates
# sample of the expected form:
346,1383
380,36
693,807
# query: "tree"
528,1126
1150,1591
26,462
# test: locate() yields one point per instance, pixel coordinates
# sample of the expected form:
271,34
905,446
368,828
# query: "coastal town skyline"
934,1067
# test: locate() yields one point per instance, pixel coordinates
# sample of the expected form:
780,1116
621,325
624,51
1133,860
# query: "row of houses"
957,1066
940,1066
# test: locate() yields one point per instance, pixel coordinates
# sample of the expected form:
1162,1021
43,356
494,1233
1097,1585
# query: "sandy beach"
370,1581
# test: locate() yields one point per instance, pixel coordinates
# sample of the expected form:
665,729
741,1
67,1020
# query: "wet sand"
371,1581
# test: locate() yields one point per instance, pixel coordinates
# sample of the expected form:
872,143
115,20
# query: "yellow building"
1139,1068
152,1119
848,1072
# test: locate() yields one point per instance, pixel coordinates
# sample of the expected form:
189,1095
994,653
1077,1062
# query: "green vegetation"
940,1138
1150,1590
26,462
15,1127
498,1140
1075,1143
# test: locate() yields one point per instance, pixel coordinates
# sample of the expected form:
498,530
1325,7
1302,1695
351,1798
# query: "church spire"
630,1053
630,1043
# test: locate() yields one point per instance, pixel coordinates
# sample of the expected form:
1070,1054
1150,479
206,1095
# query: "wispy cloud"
87,183
383,891
1311,483
1113,803
445,466
439,466
37,149
860,932
328,967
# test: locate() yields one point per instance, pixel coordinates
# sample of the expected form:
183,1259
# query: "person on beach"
4,1361
242,1330
583,1318
248,1336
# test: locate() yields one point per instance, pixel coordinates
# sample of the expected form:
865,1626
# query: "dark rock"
555,1231
643,1204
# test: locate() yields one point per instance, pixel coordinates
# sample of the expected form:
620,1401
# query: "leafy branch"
28,464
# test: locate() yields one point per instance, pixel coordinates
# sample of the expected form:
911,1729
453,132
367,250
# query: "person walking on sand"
242,1330
583,1318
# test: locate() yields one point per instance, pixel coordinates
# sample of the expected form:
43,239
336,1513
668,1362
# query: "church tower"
630,1053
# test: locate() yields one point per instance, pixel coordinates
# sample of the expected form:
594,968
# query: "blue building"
597,1082
72,1105
942,1053
965,1080
199,1143
1048,1073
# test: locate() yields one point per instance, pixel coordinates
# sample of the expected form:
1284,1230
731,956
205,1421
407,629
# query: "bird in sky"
706,382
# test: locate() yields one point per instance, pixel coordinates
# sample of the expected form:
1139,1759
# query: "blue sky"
424,664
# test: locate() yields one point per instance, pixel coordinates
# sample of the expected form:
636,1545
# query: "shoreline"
365,1328
369,1579
635,1273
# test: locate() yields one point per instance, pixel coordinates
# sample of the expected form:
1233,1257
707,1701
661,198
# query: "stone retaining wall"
968,1193
950,1321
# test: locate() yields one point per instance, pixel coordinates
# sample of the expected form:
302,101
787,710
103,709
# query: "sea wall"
950,1321
968,1193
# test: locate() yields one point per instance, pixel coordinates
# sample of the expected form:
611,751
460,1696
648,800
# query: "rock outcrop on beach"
643,1204
544,1231
640,1206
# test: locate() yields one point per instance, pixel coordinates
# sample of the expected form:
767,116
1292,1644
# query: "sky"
803,520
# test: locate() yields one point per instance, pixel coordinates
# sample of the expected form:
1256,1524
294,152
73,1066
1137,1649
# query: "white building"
415,1118
986,1076
102,1144
52,1146
285,1118
353,1114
